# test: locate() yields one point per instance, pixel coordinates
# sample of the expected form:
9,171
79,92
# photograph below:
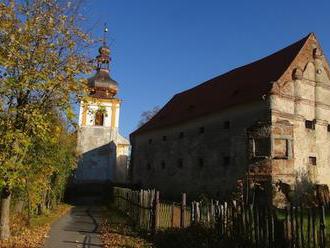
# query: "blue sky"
162,47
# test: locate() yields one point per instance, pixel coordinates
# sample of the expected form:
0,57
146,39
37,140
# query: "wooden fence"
146,211
259,226
264,226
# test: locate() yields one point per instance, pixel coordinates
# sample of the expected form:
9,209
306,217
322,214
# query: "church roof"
244,84
104,85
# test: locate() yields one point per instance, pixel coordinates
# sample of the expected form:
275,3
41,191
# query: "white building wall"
100,160
310,100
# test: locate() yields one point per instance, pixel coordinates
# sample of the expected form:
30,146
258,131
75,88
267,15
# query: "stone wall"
307,98
205,155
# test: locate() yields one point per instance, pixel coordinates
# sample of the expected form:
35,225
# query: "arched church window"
99,118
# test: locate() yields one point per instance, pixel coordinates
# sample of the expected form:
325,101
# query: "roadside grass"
118,231
34,235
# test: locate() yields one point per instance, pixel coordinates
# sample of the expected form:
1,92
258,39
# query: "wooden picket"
260,226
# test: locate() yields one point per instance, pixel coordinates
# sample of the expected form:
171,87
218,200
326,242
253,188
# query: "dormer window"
99,118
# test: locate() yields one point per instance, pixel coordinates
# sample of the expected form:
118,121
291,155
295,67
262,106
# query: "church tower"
103,151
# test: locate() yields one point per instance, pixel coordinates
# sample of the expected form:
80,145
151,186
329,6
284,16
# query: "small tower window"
310,124
164,138
181,135
148,166
202,130
150,141
99,118
163,165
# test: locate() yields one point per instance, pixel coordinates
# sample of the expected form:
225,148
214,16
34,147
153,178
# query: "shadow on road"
81,226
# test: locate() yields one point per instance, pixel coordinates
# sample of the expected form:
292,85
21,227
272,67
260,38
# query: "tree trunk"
5,210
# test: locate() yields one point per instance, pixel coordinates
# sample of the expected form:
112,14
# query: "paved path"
79,228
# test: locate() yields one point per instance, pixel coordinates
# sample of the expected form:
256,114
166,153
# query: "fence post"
141,208
197,212
156,212
192,213
183,210
322,227
172,215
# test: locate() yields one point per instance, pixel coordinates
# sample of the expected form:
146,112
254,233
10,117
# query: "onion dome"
101,84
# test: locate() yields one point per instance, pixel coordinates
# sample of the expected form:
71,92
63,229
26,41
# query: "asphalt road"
79,228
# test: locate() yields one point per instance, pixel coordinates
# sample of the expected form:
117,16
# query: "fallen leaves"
33,237
117,232
27,238
119,237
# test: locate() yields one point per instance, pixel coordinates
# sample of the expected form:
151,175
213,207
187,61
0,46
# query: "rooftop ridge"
304,40
243,84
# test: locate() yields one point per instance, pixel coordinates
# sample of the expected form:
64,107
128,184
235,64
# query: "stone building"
103,151
266,121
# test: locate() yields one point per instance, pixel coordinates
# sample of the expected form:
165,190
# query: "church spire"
101,84
105,31
103,59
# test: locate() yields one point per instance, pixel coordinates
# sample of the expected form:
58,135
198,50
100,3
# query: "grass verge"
117,231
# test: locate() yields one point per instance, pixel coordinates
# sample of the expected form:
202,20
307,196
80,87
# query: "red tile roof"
243,84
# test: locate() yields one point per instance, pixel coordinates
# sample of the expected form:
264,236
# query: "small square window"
148,166
310,124
312,160
181,135
164,138
202,130
150,141
262,147
226,160
180,163
226,125
201,162
163,165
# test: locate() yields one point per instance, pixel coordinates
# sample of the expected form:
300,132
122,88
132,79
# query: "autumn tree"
41,58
